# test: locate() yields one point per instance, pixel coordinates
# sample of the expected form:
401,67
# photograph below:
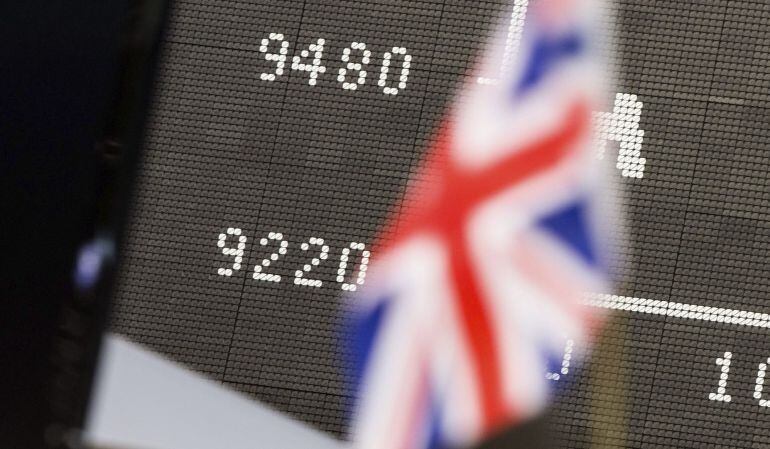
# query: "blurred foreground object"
73,90
462,328
142,400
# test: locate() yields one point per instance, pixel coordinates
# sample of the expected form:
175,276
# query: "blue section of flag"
570,227
553,362
435,432
546,53
364,329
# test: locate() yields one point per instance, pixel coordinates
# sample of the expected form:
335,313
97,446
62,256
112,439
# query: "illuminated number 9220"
273,247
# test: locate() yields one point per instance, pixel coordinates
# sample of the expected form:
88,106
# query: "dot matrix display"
283,133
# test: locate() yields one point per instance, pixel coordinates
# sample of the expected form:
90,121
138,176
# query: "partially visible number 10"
724,367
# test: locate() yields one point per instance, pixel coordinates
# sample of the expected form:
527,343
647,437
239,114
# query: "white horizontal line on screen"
679,310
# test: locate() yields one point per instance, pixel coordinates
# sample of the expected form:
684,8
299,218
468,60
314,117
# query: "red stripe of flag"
446,214
463,192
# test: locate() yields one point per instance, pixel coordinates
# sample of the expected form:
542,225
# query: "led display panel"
283,133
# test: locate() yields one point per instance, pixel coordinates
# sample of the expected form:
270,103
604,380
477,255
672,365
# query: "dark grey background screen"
247,146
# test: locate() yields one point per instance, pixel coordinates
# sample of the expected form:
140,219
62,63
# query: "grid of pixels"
238,164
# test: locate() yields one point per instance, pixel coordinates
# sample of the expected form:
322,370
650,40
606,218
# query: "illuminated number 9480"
353,72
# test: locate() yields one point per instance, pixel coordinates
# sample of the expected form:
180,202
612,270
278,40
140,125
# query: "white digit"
345,258
724,363
622,125
354,66
565,362
405,65
515,28
315,66
299,278
279,58
759,384
237,252
259,273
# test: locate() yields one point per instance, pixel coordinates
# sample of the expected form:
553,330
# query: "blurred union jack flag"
475,288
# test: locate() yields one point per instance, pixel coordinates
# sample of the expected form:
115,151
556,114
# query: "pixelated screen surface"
282,134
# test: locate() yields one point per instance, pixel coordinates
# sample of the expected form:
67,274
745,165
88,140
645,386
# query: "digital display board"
283,133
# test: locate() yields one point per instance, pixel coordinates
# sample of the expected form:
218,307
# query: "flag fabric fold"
475,291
